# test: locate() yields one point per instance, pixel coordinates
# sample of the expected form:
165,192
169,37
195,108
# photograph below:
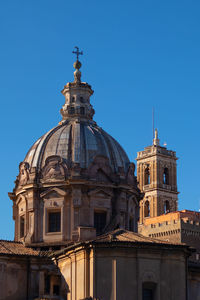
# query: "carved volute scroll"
23,173
130,177
55,168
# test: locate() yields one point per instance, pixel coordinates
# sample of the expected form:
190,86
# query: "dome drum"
77,194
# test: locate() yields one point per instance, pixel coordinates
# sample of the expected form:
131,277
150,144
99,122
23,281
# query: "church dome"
77,143
77,139
76,181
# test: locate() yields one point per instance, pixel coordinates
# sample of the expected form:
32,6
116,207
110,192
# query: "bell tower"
157,177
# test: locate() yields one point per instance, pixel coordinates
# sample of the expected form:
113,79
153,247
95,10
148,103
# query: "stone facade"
117,265
123,265
180,226
193,281
23,271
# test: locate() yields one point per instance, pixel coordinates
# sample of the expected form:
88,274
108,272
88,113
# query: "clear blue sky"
137,54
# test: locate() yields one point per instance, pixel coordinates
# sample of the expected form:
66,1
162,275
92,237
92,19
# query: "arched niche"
166,176
146,209
146,176
166,207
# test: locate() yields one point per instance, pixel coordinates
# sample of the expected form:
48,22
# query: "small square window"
54,221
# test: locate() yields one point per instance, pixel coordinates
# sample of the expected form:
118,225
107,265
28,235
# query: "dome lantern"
77,96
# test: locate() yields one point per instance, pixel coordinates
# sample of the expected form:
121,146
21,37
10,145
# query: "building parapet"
184,223
155,150
187,216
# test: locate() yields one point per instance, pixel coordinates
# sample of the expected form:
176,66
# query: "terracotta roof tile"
122,235
16,248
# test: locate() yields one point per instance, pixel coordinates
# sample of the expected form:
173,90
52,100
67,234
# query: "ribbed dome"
77,142
77,139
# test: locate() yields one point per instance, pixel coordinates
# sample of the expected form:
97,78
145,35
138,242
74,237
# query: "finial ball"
77,65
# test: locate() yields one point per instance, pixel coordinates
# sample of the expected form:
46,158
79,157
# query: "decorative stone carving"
75,170
100,169
76,196
131,179
55,168
23,173
149,276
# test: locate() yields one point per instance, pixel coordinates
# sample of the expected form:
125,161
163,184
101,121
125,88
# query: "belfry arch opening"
166,207
166,176
146,209
147,176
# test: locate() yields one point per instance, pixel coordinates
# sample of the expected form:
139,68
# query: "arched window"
81,100
146,209
147,176
166,207
166,176
73,99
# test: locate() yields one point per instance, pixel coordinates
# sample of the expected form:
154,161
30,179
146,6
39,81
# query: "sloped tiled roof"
16,248
122,235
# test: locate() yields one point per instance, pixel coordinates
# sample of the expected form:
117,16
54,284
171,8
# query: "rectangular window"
99,221
56,290
147,294
22,226
148,291
54,221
